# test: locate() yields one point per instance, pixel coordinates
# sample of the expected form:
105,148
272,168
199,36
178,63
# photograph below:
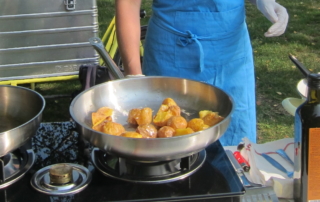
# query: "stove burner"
61,174
79,180
14,165
145,171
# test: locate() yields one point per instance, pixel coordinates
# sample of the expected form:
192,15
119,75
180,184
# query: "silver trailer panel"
46,38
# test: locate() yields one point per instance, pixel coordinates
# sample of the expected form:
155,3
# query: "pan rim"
150,139
33,118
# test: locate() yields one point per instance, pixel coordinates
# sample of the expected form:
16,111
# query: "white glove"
276,13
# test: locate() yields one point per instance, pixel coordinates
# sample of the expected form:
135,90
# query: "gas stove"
206,176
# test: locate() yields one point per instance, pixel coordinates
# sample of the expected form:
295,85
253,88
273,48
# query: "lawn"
276,75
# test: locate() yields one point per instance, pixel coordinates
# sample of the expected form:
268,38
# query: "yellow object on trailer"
32,82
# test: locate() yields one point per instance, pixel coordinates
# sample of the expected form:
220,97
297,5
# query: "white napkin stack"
262,172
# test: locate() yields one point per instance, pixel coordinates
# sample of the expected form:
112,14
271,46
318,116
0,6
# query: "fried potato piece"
147,131
175,109
105,110
176,122
183,131
161,118
169,102
133,116
197,124
167,109
113,128
140,116
145,116
163,108
212,118
101,114
165,131
99,126
131,134
97,118
203,113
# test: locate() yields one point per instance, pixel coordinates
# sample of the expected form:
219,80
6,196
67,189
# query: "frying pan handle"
300,66
98,46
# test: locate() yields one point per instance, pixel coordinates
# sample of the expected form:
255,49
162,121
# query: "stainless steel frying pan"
20,116
122,95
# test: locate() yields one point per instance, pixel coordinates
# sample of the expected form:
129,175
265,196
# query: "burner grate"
14,165
152,172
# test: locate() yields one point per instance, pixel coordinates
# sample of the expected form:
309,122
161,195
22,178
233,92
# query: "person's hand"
275,13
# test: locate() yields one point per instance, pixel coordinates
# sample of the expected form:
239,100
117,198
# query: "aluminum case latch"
70,4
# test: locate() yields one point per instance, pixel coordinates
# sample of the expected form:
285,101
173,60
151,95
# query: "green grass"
276,75
57,109
106,12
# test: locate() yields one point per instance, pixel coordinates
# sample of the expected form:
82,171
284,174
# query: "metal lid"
80,179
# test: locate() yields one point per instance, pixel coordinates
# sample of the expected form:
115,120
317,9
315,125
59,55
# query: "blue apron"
208,41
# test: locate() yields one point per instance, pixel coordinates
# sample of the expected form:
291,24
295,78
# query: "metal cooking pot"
122,95
20,116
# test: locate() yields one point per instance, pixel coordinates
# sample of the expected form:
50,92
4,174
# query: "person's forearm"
128,34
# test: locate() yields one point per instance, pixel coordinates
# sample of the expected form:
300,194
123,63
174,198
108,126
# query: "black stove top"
216,180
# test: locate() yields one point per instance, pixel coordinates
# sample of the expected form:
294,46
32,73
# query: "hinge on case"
70,4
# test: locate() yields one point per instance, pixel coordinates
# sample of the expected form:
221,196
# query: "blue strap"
190,38
277,165
284,155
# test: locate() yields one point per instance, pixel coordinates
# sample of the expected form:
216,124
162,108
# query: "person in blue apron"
204,40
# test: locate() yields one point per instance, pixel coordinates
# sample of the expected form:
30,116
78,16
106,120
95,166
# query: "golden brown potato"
133,116
183,131
164,113
113,128
163,108
212,119
203,113
177,122
165,131
161,118
99,127
169,102
145,116
140,116
131,134
97,118
147,131
101,114
105,110
175,109
197,124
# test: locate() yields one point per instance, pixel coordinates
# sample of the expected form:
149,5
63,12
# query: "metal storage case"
41,39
